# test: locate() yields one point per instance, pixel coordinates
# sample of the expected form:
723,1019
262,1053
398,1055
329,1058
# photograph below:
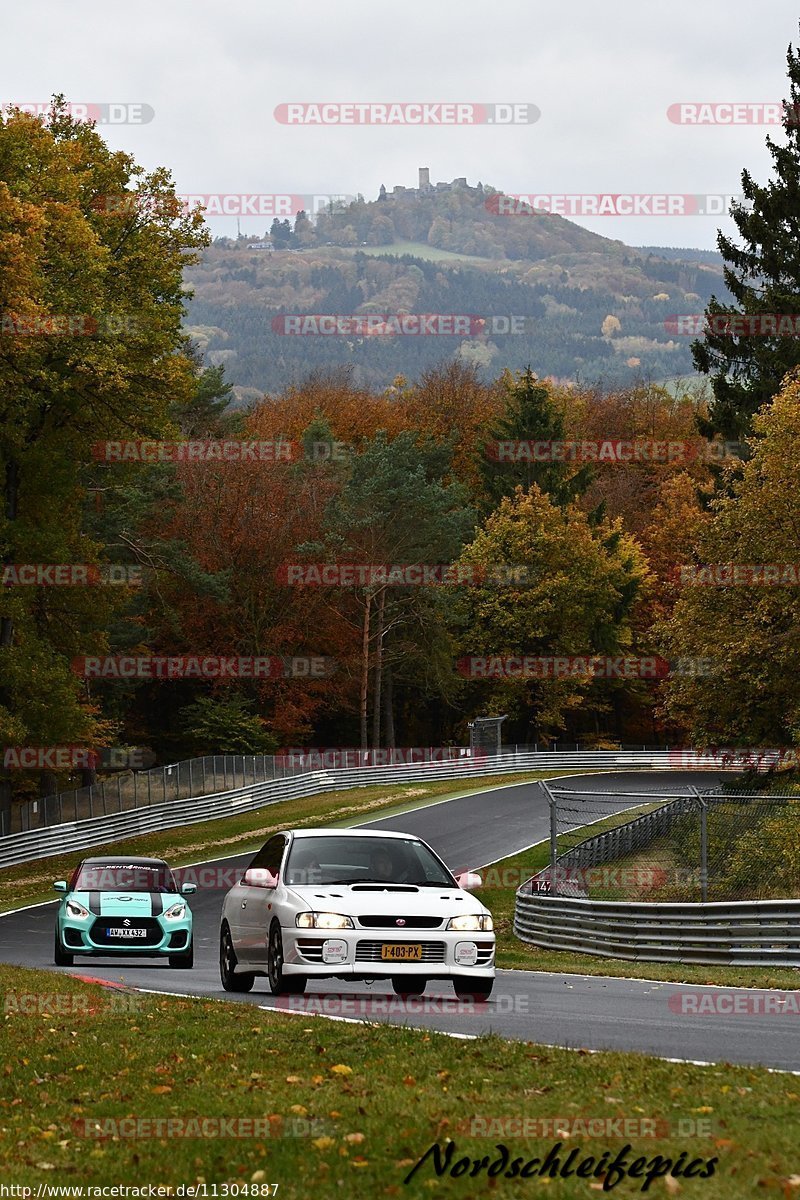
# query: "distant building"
426,188
260,246
424,179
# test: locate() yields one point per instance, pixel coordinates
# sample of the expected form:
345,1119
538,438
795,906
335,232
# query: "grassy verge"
242,834
504,877
347,1110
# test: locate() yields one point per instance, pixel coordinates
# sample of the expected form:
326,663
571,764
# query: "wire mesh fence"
720,844
126,790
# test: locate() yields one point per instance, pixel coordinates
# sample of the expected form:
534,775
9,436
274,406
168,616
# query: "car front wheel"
472,989
185,959
281,985
227,961
409,985
60,956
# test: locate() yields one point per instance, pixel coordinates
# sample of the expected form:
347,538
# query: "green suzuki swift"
124,906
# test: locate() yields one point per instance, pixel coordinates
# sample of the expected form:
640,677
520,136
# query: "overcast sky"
603,77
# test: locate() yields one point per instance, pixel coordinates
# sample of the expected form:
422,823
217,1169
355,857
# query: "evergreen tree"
763,276
530,415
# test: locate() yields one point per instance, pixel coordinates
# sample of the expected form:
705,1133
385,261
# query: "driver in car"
382,865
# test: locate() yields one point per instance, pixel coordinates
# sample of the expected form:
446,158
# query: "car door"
254,915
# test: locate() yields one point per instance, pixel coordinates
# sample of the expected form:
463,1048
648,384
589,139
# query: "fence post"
553,803
703,850
703,808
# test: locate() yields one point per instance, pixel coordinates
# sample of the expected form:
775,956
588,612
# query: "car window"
271,854
123,877
347,859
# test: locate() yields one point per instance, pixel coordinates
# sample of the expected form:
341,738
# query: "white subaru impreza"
354,904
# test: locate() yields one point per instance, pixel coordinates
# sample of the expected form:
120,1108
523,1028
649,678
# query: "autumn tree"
573,596
744,634
92,252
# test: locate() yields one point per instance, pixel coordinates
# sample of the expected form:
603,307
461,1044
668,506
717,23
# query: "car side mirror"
60,885
188,889
260,877
469,880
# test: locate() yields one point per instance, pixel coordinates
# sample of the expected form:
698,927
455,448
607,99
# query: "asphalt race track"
566,1010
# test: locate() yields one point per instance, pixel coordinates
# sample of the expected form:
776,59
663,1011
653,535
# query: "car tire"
409,985
185,960
280,984
227,961
472,989
60,956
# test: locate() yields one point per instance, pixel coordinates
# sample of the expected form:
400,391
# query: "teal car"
124,906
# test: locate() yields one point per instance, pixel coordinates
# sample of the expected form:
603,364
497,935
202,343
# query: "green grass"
515,954
363,1103
423,250
242,834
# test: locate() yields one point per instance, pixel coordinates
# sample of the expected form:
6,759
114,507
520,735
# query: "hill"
537,289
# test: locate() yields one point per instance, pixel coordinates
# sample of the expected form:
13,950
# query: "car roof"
119,860
365,833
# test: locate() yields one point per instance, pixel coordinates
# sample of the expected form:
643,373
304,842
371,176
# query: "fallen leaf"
323,1143
341,1069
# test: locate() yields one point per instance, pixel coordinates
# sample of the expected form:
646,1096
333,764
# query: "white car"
354,904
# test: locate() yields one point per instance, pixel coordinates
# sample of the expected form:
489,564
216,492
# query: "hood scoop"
383,887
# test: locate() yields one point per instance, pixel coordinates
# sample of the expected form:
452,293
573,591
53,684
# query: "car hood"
393,900
125,904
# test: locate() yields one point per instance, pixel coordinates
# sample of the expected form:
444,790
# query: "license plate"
126,933
402,953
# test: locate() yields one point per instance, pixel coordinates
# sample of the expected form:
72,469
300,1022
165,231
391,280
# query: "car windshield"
123,877
346,860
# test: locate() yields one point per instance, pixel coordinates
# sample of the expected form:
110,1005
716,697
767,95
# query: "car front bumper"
88,936
359,953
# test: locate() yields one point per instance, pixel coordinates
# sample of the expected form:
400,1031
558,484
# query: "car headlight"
471,921
76,910
176,911
323,920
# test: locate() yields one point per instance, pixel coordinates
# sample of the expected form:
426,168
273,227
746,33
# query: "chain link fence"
721,844
126,790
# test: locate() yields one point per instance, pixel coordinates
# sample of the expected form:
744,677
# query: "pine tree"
531,415
763,277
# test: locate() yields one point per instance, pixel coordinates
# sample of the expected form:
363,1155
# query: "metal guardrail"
150,818
742,932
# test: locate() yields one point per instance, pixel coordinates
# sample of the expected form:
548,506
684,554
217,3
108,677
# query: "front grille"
432,952
153,936
310,948
383,922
